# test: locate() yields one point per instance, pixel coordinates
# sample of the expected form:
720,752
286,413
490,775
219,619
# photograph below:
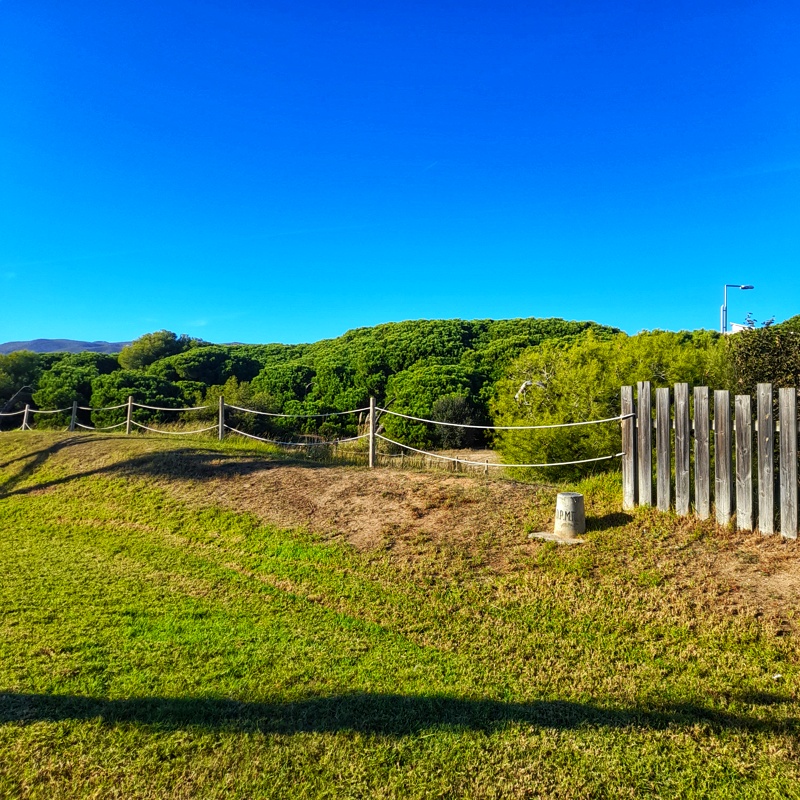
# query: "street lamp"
723,312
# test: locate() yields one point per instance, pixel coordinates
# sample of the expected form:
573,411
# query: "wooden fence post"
702,460
682,444
723,485
25,417
644,424
74,418
663,458
787,418
371,432
628,449
221,419
744,463
129,416
765,432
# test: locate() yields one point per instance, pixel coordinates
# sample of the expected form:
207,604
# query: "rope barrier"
342,413
172,433
106,428
295,444
484,464
297,416
160,408
507,427
490,464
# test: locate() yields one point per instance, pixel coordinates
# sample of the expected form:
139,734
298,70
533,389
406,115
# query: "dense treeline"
410,365
506,372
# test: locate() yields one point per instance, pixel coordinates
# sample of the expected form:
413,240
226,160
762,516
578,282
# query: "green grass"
155,646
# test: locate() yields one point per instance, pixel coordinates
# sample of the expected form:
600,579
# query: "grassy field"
160,638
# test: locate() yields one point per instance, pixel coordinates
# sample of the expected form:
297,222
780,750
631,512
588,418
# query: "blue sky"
284,171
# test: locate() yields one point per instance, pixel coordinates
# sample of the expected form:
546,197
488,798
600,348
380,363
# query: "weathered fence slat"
74,416
682,439
644,424
702,458
787,417
628,449
221,419
744,463
723,486
663,461
129,415
766,468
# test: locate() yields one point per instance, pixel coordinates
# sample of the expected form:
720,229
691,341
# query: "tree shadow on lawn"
30,462
379,714
184,463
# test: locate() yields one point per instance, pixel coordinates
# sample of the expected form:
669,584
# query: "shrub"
766,355
461,410
554,384
114,389
415,391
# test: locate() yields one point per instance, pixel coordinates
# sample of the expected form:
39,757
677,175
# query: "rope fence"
172,433
507,427
161,408
296,416
373,434
490,464
320,443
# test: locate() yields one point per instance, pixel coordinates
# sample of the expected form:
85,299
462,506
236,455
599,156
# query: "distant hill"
62,346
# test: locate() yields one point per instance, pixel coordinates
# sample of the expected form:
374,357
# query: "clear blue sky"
283,171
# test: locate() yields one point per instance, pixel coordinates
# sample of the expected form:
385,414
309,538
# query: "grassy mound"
172,626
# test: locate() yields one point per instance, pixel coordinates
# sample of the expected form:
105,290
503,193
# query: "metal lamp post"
723,312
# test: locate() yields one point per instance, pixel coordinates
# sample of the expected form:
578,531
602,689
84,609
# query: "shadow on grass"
185,463
613,520
30,462
387,715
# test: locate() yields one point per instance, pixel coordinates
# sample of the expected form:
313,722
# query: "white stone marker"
570,520
570,515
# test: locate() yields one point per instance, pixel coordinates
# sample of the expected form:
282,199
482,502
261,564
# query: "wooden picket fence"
684,446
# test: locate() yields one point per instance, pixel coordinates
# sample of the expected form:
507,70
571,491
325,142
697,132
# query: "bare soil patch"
406,513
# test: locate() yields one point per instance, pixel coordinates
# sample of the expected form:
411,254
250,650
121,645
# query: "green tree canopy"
153,346
415,391
68,380
114,389
18,369
210,364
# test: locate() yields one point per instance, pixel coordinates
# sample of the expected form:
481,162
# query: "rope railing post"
371,432
221,420
129,415
74,417
26,417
